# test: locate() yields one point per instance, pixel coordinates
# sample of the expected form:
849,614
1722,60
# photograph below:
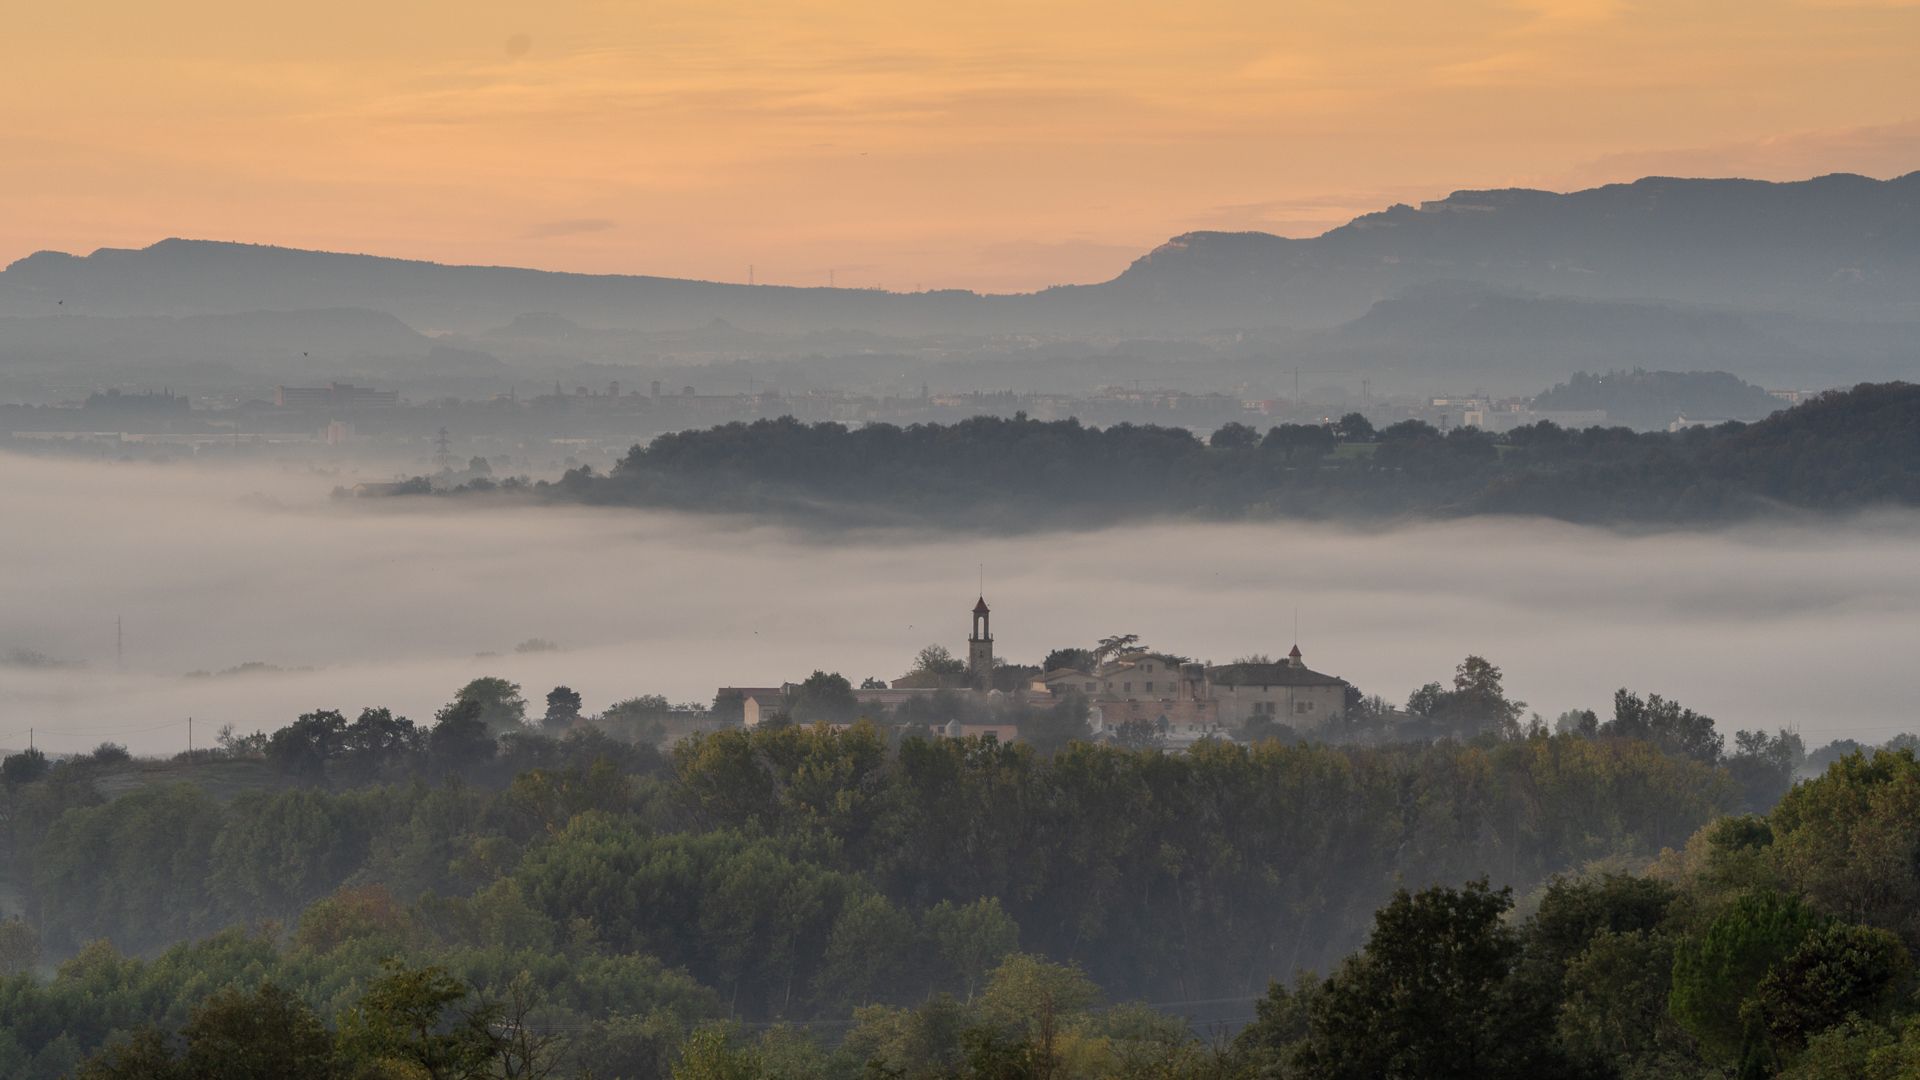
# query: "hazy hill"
1842,245
1457,330
1839,244
1653,399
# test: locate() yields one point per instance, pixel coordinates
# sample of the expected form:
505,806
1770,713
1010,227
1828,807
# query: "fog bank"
389,603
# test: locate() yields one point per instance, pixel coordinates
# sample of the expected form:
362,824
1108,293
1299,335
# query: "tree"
824,696
1676,730
1715,972
937,661
1116,647
1069,659
1837,971
1479,700
303,748
501,708
563,709
147,1054
460,738
971,939
267,1034
23,768
379,742
1234,435
1428,996
1763,766
1354,427
709,1055
409,1016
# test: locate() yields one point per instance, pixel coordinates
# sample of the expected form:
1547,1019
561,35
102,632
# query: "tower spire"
980,646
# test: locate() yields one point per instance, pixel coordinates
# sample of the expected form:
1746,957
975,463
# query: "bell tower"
980,648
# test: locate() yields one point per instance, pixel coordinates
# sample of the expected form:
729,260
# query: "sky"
897,144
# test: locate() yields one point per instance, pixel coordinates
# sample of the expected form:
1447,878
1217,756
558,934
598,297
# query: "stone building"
1185,701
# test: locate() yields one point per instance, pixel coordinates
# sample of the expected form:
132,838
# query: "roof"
980,608
1270,675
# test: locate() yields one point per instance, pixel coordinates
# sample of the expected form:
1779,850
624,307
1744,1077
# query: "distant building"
1185,701
980,649
1182,702
334,396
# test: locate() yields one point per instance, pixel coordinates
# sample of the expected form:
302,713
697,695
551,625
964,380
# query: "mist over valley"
390,603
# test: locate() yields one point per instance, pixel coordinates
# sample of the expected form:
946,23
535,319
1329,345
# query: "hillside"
1840,246
1844,451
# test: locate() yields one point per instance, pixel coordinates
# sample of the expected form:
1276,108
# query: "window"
1149,686
1302,706
1090,688
1126,688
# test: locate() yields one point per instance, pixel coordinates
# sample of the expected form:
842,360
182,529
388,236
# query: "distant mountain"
1456,330
1838,246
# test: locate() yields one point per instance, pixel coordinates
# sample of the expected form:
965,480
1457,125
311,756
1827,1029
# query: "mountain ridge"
1840,244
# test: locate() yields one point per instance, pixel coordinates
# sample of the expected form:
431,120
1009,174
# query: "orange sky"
982,144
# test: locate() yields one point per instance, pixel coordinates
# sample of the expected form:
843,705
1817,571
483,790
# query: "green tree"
824,696
1070,659
460,738
1666,724
23,768
1837,971
563,709
1354,427
501,708
971,939
708,1054
1428,996
1233,436
267,1034
1715,972
409,1016
303,748
146,1054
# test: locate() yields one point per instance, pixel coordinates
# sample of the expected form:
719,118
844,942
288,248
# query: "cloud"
569,227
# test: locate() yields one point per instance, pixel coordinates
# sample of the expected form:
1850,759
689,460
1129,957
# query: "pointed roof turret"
980,608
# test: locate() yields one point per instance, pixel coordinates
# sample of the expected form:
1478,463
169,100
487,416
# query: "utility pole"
749,273
830,274
1366,391
189,740
119,642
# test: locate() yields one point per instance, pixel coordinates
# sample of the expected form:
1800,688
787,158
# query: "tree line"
1843,450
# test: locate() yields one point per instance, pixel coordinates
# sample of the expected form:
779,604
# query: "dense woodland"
1845,450
495,895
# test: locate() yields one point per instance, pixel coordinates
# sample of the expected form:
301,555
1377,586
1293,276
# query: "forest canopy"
498,888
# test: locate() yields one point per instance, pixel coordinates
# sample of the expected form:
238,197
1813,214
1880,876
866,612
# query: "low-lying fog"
395,602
